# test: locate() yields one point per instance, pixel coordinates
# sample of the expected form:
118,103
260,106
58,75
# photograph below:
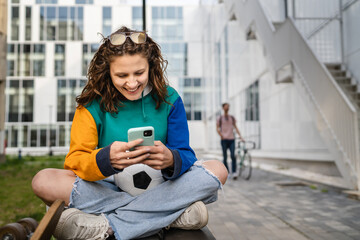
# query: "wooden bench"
179,234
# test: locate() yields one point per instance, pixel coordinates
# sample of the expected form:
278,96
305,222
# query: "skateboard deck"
48,223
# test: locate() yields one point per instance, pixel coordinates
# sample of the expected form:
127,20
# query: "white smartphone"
146,133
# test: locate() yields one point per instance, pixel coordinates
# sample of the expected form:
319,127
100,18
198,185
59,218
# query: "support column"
3,49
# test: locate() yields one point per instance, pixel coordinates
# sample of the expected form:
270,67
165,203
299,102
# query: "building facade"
295,121
51,43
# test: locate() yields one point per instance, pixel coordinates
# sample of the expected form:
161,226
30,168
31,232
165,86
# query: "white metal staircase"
289,54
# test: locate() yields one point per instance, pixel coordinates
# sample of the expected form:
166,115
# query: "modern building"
289,70
3,25
50,45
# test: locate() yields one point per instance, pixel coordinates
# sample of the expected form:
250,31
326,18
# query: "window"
28,23
252,102
61,23
42,135
25,134
59,59
33,136
61,100
15,23
13,95
12,60
63,26
51,23
137,18
14,136
192,97
106,21
26,60
88,53
27,101
167,23
20,103
39,60
46,1
68,90
84,1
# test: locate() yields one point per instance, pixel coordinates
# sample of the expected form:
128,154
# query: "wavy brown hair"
99,83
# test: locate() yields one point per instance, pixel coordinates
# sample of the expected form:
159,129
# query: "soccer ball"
138,178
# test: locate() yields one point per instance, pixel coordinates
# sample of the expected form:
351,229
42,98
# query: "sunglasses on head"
120,38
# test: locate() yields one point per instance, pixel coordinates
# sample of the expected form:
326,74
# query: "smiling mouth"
132,90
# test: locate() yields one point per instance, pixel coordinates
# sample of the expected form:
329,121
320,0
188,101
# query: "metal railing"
334,115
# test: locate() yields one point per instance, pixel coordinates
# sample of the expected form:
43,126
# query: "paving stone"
260,209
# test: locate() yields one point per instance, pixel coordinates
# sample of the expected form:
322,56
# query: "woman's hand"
160,156
121,157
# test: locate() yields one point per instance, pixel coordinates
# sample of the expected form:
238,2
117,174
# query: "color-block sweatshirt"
93,131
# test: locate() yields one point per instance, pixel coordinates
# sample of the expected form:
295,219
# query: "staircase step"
355,96
337,73
350,87
333,66
343,80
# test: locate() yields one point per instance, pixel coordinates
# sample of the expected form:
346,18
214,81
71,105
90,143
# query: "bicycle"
245,167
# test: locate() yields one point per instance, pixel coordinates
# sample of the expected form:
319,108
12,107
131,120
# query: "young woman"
127,88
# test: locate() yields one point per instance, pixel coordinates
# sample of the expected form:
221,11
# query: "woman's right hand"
121,156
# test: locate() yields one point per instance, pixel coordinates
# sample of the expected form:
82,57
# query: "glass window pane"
187,82
39,68
53,136
51,13
14,136
15,23
14,97
137,12
170,12
59,48
94,47
43,137
197,82
33,136
25,137
39,48
61,100
106,13
61,135
63,13
80,13
10,68
28,101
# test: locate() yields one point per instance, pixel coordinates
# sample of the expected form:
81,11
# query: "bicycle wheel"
246,169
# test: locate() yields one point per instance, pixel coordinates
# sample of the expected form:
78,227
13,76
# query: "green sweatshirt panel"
114,127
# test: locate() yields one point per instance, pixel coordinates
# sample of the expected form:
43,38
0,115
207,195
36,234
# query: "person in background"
225,126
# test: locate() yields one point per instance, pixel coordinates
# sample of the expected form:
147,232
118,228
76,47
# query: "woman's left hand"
160,156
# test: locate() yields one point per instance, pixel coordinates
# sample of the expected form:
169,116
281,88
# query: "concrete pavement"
273,206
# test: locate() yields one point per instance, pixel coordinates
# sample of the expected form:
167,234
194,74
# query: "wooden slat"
48,223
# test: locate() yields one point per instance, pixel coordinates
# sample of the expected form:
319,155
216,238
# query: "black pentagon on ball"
141,180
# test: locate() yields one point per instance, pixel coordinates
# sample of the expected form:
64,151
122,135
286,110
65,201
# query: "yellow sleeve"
81,158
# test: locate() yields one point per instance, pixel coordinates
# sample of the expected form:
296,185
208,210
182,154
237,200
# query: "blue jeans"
225,144
146,214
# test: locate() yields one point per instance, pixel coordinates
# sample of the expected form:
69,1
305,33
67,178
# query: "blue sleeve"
178,141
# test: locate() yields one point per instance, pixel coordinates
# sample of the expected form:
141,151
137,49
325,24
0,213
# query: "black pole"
286,9
144,15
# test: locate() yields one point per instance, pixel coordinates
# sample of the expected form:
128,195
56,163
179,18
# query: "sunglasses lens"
138,37
117,39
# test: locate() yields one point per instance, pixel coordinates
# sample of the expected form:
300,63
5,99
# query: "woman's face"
129,74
